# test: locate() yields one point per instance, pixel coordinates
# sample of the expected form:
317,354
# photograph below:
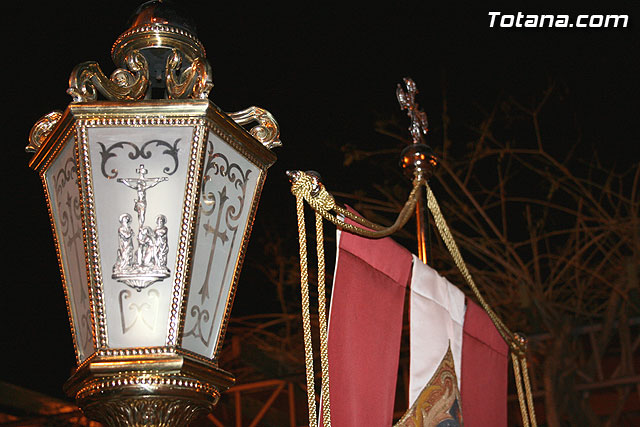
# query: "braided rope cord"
306,189
527,389
324,202
306,316
322,318
306,320
521,399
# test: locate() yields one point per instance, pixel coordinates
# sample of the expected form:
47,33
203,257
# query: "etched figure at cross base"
146,245
141,265
161,245
125,243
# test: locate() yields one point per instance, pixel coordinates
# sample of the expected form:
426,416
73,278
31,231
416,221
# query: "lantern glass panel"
61,179
138,177
229,185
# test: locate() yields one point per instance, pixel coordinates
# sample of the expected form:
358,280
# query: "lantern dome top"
161,12
155,29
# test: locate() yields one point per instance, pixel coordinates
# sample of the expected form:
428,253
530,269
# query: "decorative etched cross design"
216,234
223,203
141,265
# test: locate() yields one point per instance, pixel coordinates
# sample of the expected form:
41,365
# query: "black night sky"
326,72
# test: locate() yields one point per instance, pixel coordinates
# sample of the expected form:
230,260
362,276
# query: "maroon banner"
364,330
485,360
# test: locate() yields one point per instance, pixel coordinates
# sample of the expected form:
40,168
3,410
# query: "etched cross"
217,234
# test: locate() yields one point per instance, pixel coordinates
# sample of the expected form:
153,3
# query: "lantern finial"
159,56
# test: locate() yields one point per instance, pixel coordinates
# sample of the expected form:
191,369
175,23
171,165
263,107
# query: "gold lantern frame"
161,384
111,379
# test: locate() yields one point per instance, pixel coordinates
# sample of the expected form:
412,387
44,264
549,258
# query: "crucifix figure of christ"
141,185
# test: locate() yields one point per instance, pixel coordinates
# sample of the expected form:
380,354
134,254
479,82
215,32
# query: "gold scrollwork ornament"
267,131
195,81
123,85
41,130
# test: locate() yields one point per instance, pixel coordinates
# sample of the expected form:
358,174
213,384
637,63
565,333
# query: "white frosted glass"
62,186
229,184
139,177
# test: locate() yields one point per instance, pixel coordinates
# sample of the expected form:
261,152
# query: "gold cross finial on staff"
407,100
418,160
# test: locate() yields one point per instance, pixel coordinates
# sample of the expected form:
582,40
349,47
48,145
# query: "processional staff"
418,159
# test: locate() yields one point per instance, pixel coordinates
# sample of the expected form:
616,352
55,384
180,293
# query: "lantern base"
145,411
158,390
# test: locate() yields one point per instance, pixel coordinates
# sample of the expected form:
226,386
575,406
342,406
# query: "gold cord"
322,318
306,320
527,388
323,203
518,380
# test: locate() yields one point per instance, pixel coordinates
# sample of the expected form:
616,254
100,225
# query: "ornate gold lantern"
151,203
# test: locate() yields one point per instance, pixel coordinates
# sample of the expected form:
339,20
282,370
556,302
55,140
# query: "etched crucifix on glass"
144,263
